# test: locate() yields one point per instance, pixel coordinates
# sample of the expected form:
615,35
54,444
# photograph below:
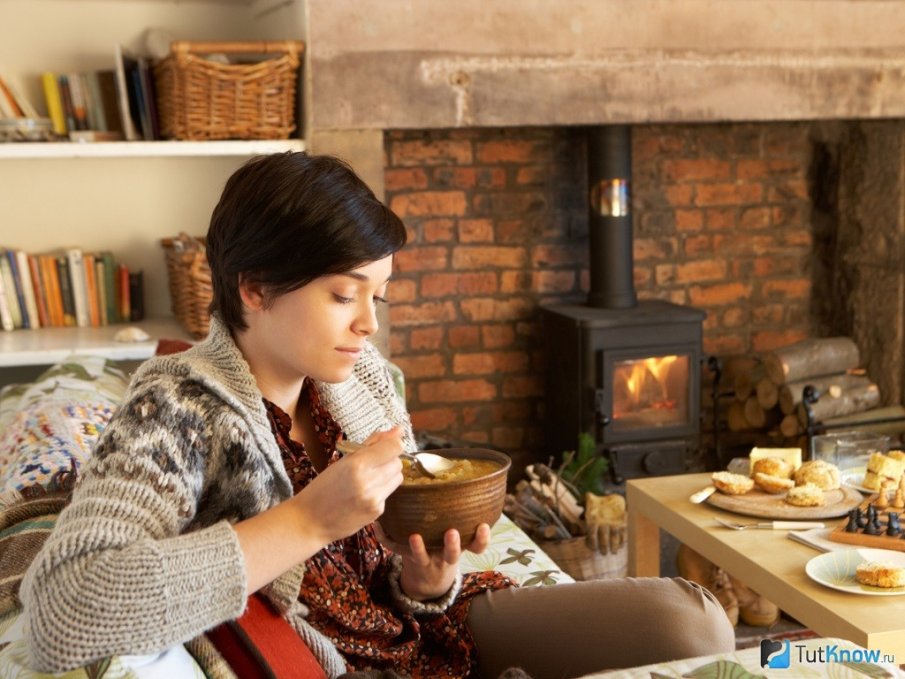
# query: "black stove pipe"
610,219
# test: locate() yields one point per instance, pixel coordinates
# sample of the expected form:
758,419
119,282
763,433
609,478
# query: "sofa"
48,428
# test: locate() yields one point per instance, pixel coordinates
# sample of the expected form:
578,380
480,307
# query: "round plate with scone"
874,572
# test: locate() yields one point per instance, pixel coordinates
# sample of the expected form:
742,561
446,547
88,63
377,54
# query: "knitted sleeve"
117,575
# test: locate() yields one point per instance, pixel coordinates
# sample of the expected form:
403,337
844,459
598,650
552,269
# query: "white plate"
836,570
853,478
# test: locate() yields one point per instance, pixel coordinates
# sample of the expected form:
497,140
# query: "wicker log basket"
201,99
586,562
190,283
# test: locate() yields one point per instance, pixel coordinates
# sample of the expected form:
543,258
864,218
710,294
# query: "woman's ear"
252,293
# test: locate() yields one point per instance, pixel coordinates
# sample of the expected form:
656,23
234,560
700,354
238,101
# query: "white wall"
124,205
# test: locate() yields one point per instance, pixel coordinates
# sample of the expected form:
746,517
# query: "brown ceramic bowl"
433,508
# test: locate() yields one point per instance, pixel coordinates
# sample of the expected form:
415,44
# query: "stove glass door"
649,392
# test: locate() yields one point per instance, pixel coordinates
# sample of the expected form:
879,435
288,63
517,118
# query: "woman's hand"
350,494
429,575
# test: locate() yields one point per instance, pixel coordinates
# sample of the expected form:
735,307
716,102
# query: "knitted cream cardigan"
145,556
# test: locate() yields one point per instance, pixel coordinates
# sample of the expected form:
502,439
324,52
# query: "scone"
773,484
871,481
822,474
897,455
879,574
732,484
772,466
807,495
885,465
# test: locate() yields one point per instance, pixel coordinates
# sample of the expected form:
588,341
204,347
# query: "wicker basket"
582,562
190,283
198,99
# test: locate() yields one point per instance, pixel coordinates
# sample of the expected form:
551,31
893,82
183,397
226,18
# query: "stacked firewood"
768,389
547,507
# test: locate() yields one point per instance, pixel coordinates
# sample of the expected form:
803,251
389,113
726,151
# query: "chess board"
882,541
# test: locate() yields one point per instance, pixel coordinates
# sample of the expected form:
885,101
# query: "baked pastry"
773,484
880,574
772,466
871,481
886,465
897,455
807,495
822,474
732,484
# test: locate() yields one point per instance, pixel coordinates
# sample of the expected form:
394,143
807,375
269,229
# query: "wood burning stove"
624,371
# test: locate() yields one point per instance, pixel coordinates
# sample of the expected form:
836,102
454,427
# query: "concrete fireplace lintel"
389,64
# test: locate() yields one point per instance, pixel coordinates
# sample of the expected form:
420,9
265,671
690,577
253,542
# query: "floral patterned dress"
345,585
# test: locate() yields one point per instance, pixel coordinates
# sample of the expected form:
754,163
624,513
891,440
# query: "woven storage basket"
582,562
198,99
190,283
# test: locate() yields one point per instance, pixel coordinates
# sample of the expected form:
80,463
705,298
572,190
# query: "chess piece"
862,519
899,501
882,501
892,524
873,526
871,516
853,516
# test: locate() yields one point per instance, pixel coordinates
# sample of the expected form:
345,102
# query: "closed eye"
343,300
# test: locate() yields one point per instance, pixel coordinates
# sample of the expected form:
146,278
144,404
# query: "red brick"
665,274
515,151
790,189
488,309
767,314
767,340
772,266
724,345
431,152
654,248
507,437
510,411
516,230
515,281
799,288
534,175
401,290
718,219
790,215
415,367
456,177
543,256
426,338
678,195
398,342
755,243
552,281
719,294
736,317
698,245
429,313
728,194
511,203
751,168
464,336
475,437
695,169
489,363
456,391
480,257
429,204
433,419
642,275
491,177
797,238
701,270
438,230
475,231
755,218
439,284
471,414
497,336
400,179
431,258
523,386
689,220
480,283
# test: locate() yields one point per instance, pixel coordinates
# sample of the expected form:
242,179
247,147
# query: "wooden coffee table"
765,560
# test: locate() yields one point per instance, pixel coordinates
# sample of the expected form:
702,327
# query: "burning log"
819,356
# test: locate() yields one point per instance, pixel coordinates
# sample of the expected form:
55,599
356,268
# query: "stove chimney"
610,219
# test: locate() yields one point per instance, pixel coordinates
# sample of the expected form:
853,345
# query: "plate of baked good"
872,572
776,490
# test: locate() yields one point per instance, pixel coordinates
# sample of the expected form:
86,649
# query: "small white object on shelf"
149,149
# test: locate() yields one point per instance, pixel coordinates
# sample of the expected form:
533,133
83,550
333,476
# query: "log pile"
768,390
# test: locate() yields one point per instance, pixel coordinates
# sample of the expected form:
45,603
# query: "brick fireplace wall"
497,222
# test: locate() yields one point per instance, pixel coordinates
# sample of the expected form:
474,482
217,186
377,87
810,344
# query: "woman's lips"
349,351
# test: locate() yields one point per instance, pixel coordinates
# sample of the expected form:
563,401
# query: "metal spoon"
427,464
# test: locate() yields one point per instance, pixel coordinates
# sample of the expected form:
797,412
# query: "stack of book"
68,287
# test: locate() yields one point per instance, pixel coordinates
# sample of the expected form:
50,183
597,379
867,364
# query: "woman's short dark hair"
285,219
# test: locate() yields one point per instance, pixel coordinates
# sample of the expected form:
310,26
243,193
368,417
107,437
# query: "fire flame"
637,376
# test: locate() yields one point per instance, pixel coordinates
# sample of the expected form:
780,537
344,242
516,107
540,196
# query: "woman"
219,478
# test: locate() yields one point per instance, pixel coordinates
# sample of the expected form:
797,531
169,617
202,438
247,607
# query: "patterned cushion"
52,424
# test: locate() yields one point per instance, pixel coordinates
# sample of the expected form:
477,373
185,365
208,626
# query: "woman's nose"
366,321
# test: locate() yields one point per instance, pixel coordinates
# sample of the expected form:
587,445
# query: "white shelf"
147,149
46,346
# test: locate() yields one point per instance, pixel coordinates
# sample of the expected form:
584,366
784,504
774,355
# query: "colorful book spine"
28,289
78,278
37,282
10,288
110,286
91,290
6,316
67,298
52,286
17,285
122,284
54,102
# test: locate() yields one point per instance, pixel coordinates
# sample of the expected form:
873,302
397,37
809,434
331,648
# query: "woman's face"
318,331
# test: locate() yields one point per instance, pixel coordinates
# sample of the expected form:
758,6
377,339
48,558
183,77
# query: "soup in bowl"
472,492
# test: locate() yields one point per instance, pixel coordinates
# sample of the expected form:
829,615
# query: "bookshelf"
118,196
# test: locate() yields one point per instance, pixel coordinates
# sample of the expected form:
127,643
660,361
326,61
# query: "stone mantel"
416,64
